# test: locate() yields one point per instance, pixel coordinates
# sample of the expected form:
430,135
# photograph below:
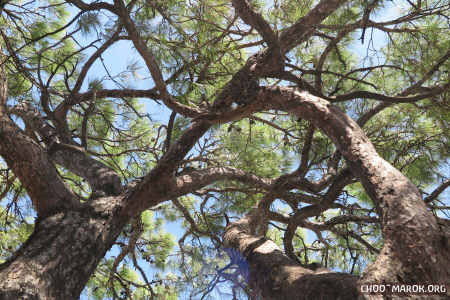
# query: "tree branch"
305,26
93,6
439,190
371,169
256,20
99,176
30,163
433,91
150,62
279,274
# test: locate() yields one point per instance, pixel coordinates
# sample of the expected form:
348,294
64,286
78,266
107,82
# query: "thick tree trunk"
61,254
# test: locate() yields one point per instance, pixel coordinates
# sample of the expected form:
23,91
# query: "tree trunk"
62,253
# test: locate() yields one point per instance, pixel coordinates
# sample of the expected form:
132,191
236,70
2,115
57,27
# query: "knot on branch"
108,182
244,86
266,63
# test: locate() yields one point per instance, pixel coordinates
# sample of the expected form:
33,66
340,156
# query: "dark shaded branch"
84,124
151,62
256,20
365,19
304,28
99,176
319,227
439,190
92,6
332,45
87,65
154,188
30,163
192,222
303,167
2,5
369,114
300,215
415,87
433,91
300,82
169,130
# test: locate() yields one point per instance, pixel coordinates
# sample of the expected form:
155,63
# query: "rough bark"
277,277
70,238
62,253
31,164
100,177
304,27
410,231
415,248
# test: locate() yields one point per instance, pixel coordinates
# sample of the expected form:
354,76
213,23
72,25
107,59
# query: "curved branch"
398,201
30,163
333,192
99,176
333,43
413,88
191,221
279,274
392,99
198,179
114,38
93,6
369,114
155,186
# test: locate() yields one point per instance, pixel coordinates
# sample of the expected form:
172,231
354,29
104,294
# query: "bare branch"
433,91
93,6
413,88
369,114
87,65
439,190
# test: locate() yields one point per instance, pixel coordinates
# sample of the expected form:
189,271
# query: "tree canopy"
223,149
